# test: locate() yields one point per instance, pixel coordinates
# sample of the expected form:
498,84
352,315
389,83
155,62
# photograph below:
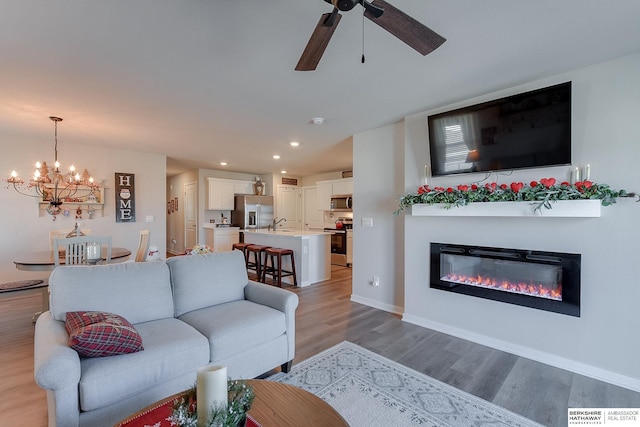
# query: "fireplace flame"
531,289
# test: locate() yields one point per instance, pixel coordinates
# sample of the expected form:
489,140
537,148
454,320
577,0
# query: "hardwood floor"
325,317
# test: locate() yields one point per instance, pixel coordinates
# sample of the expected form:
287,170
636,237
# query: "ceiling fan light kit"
404,27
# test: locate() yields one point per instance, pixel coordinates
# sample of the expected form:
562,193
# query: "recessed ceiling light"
276,156
318,120
223,163
283,172
294,143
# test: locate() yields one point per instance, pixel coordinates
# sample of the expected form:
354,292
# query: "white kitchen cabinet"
324,192
342,186
328,188
289,206
220,194
243,187
221,239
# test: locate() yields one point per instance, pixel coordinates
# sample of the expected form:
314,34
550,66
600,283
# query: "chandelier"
50,185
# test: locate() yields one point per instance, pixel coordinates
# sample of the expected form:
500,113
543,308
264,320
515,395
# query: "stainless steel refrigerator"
252,212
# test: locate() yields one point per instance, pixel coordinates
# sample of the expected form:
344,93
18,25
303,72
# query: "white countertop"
287,233
215,226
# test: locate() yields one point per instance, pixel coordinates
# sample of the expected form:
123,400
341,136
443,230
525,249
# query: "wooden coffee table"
275,405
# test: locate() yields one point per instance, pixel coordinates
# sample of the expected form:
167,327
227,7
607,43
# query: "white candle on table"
577,175
211,391
587,174
93,251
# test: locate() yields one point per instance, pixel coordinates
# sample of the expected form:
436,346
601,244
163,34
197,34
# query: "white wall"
601,343
22,230
377,250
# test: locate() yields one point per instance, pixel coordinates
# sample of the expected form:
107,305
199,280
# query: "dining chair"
75,249
62,234
143,246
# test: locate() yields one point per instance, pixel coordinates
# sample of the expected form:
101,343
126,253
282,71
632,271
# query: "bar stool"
276,270
257,262
242,247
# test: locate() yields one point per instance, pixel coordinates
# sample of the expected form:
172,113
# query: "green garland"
241,395
541,194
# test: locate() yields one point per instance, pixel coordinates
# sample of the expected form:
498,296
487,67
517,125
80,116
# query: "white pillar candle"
93,251
211,391
577,175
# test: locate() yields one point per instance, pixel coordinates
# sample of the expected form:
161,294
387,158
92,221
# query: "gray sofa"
190,311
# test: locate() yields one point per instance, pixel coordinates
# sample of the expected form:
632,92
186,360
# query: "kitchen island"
311,251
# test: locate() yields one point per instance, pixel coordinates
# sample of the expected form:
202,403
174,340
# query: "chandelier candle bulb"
211,391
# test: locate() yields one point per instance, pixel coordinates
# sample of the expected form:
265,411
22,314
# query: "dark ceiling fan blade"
404,27
375,11
318,41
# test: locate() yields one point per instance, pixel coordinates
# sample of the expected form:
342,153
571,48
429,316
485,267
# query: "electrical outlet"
376,281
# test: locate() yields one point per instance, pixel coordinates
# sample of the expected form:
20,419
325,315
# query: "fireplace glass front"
544,280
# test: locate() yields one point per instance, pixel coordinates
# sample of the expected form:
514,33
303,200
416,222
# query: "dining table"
45,260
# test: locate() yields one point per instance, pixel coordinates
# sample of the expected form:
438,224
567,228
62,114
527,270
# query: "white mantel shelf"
559,209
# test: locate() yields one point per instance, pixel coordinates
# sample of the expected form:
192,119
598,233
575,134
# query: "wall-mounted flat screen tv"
527,130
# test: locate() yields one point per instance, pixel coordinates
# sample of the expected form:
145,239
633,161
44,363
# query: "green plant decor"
540,193
241,395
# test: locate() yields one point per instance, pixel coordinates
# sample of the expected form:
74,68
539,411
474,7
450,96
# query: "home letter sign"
125,198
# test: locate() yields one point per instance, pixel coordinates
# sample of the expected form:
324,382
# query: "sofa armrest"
278,299
271,296
57,370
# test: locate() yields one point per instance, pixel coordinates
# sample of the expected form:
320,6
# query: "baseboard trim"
377,304
539,356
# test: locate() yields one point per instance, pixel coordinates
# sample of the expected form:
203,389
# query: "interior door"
312,215
289,206
190,216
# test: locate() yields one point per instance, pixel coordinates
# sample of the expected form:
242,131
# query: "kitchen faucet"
277,221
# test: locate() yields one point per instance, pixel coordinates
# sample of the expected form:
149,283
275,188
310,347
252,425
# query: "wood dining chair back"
143,246
75,249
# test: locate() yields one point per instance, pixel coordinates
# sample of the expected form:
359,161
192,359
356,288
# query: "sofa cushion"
172,349
123,288
236,326
205,280
99,334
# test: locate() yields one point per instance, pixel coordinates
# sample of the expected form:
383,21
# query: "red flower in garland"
533,184
516,186
449,190
423,189
583,185
474,187
463,187
565,184
503,186
491,186
548,182
439,188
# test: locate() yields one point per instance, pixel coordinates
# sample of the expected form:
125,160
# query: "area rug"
370,390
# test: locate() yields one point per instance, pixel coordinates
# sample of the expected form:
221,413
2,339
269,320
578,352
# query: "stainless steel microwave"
342,202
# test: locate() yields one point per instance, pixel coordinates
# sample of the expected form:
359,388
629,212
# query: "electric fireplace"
542,280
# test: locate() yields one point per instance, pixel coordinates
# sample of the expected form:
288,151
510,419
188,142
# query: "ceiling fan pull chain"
362,60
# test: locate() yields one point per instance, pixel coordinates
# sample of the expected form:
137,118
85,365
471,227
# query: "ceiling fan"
398,23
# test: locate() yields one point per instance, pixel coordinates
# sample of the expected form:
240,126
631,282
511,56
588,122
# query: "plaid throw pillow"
97,334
